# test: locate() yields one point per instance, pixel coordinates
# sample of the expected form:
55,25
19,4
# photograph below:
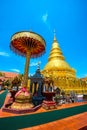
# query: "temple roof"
37,74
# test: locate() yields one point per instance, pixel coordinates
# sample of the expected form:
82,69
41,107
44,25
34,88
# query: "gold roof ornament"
55,35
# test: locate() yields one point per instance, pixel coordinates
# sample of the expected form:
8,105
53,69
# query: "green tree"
6,83
16,82
20,76
2,74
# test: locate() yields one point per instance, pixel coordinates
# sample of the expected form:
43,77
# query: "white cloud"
31,74
44,17
45,20
35,63
85,75
15,70
81,75
4,54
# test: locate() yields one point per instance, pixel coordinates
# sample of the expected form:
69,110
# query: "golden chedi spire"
56,62
63,76
56,52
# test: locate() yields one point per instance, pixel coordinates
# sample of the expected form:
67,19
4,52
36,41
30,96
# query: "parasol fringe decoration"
22,41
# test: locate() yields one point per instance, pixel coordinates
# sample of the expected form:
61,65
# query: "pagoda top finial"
30,29
38,65
55,35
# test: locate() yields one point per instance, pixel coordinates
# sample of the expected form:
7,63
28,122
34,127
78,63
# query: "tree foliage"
16,81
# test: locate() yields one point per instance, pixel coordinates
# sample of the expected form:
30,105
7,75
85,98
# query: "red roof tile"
10,74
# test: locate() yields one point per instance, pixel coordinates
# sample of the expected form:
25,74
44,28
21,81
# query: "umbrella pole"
26,71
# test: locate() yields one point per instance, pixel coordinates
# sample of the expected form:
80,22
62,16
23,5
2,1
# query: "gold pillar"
25,83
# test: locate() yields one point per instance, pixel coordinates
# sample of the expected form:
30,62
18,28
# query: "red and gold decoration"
48,92
49,103
22,97
30,45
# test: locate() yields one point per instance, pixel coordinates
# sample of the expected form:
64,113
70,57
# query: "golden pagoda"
60,72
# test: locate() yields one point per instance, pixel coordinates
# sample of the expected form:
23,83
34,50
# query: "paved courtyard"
76,122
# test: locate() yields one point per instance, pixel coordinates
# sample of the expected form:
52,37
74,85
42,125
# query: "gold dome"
56,61
57,65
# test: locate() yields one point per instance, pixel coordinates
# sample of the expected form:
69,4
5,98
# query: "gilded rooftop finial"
30,29
55,35
38,65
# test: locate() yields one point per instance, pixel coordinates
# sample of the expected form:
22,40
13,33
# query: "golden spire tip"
30,29
54,35
38,64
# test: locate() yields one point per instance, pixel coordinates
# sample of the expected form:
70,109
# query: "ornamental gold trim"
30,35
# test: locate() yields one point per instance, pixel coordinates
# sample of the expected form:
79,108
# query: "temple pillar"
44,88
39,88
34,88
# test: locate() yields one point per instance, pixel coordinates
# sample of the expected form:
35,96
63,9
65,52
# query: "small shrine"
49,93
36,86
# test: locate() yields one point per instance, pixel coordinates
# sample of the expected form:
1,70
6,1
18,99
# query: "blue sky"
67,17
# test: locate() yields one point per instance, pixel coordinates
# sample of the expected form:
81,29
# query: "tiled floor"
71,123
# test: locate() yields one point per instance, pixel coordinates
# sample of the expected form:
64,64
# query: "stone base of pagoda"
49,105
